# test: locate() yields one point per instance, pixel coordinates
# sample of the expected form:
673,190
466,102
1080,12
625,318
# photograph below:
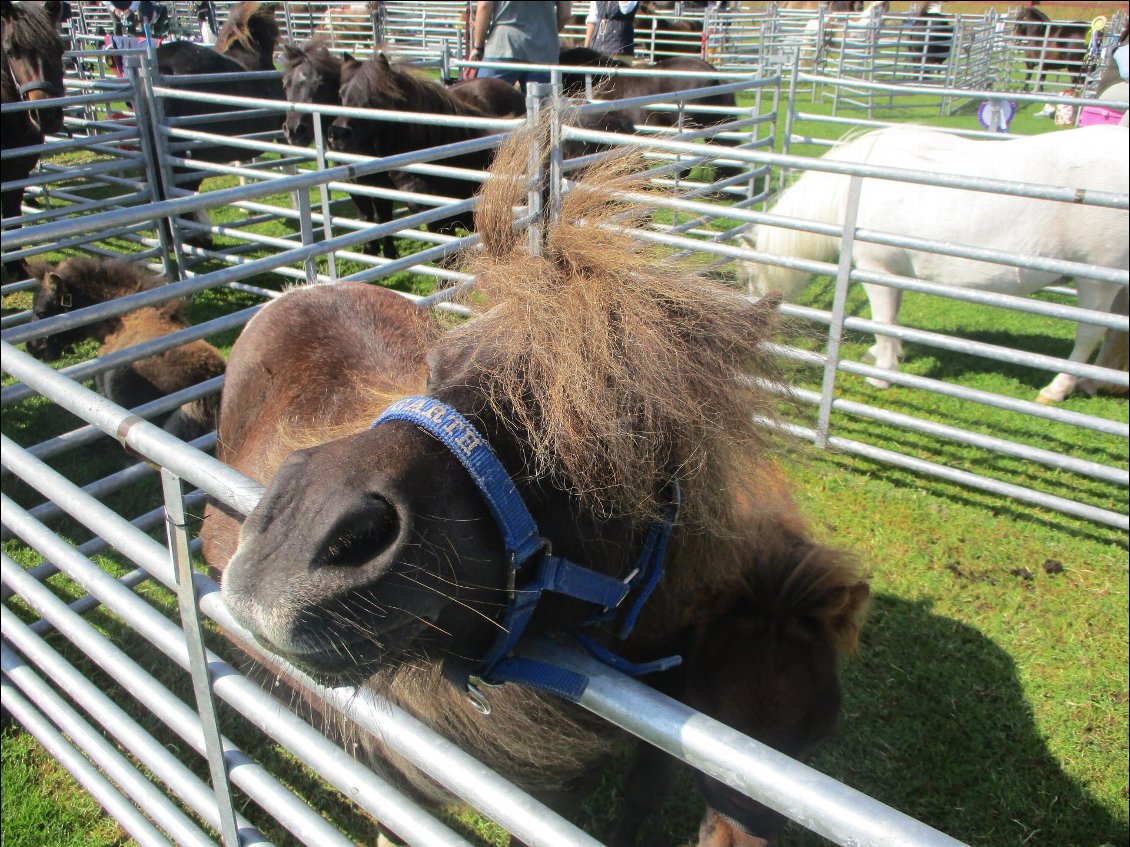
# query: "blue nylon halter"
530,556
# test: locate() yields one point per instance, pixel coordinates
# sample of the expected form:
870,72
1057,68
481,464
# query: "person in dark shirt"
611,27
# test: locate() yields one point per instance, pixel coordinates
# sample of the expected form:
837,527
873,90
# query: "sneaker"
1048,111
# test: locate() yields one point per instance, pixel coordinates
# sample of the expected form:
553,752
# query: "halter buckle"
475,694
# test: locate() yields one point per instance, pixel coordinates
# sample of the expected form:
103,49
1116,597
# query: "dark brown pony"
1056,47
379,84
614,87
313,75
80,282
246,42
32,70
931,33
602,374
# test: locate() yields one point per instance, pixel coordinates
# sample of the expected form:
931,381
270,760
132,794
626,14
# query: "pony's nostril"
362,530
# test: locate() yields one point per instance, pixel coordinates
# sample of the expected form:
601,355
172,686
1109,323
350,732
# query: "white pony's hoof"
878,383
1047,398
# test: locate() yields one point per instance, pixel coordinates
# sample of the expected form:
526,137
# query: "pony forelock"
616,365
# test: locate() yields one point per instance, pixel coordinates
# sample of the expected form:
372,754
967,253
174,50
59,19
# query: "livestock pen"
910,686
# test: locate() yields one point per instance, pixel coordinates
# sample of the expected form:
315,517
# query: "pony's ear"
448,364
382,60
348,57
55,10
7,10
53,283
292,53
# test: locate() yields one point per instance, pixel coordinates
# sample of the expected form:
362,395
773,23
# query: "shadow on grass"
952,366
936,724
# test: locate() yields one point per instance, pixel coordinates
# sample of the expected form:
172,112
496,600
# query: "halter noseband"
533,569
40,85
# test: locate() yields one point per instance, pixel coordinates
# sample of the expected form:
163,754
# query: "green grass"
989,694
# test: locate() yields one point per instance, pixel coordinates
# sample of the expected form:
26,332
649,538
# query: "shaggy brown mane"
616,364
249,25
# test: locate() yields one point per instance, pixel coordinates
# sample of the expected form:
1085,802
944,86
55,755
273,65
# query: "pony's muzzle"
50,120
299,130
43,349
340,135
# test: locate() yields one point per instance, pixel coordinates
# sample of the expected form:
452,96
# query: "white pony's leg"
884,309
1115,352
1098,296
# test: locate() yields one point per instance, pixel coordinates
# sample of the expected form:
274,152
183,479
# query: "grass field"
989,695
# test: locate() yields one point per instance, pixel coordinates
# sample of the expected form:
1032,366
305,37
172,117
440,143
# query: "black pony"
32,70
379,84
313,75
931,36
246,43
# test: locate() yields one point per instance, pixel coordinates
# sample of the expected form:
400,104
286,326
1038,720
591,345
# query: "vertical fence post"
839,305
535,197
159,151
556,154
324,192
306,227
146,129
176,519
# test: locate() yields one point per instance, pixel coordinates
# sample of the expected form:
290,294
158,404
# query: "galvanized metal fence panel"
701,223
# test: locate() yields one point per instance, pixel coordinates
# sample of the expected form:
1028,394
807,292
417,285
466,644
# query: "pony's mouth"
342,661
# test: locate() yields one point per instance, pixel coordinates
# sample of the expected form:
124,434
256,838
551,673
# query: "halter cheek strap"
533,569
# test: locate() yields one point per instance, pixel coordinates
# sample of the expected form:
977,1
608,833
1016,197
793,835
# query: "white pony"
1093,157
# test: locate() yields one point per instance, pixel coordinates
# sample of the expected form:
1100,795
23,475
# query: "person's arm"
484,10
590,23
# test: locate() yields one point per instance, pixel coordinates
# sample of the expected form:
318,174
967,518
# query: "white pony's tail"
816,196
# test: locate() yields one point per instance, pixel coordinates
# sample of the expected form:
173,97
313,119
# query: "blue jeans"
510,76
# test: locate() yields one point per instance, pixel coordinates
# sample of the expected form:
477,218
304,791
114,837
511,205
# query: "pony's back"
1091,158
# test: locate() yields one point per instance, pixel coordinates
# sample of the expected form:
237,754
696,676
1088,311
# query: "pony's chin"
353,663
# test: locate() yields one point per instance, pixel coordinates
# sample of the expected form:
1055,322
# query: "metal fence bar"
171,819
249,776
817,802
839,304
99,787
176,523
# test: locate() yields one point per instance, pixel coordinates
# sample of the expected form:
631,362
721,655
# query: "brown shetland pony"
1056,47
599,371
80,282
32,70
313,75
